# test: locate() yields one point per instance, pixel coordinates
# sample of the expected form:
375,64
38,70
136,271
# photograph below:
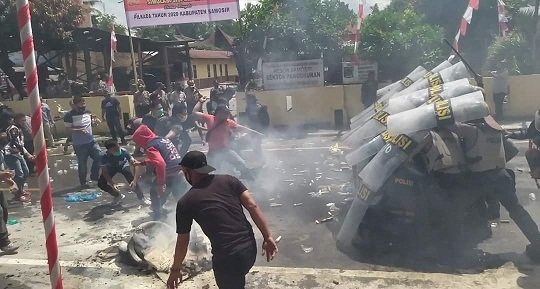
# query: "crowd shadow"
100,211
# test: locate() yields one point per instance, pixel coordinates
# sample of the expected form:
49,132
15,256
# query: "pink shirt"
220,137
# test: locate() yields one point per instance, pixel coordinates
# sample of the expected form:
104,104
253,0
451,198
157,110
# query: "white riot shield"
359,136
441,113
365,151
373,176
430,95
383,101
456,71
396,86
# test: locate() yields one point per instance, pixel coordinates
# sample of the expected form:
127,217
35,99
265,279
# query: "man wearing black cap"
216,203
218,137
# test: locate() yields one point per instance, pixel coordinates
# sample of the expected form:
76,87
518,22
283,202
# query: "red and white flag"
503,20
110,81
361,17
465,21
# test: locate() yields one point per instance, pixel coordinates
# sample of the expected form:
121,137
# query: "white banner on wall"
293,74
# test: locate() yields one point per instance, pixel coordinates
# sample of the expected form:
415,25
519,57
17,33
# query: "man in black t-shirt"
216,202
110,111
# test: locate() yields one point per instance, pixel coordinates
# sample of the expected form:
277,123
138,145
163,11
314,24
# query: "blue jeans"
18,164
115,127
84,151
176,185
216,158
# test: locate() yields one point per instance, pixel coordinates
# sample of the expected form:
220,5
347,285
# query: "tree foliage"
52,21
514,50
399,42
295,29
447,14
106,21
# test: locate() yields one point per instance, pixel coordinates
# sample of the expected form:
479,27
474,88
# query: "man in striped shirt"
79,123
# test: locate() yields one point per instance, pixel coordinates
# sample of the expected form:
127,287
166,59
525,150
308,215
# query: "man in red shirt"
218,137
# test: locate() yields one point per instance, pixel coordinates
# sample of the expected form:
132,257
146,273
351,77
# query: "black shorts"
230,272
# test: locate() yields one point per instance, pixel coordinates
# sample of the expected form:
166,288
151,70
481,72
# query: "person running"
79,124
216,203
218,138
163,157
112,113
15,154
118,160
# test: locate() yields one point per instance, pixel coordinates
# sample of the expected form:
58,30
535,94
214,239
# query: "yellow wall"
92,103
523,96
202,72
316,105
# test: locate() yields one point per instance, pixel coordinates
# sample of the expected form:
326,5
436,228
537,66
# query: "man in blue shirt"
118,160
78,122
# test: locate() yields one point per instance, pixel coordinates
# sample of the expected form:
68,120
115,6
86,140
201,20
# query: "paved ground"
296,167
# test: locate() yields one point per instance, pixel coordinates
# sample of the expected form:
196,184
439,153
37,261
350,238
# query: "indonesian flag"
110,81
361,17
503,20
466,21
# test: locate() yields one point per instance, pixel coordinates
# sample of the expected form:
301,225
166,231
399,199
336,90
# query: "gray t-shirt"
78,119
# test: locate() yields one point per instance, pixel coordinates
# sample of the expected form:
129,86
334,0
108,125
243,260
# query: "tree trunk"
74,65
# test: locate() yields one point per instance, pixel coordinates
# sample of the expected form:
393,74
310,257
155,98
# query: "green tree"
295,29
400,41
447,14
106,21
53,21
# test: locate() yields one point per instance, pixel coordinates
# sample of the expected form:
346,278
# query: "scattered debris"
505,221
519,169
12,222
324,220
532,196
336,282
273,205
493,225
298,204
278,239
307,249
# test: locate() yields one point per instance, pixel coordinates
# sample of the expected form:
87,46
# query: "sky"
116,8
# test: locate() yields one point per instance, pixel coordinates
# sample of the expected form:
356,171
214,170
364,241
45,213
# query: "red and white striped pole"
30,69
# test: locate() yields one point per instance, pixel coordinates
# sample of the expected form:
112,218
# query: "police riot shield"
456,71
383,101
430,95
374,175
371,129
365,151
441,113
377,123
383,92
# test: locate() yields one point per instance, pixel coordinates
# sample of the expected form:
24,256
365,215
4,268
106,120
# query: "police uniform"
446,160
484,152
